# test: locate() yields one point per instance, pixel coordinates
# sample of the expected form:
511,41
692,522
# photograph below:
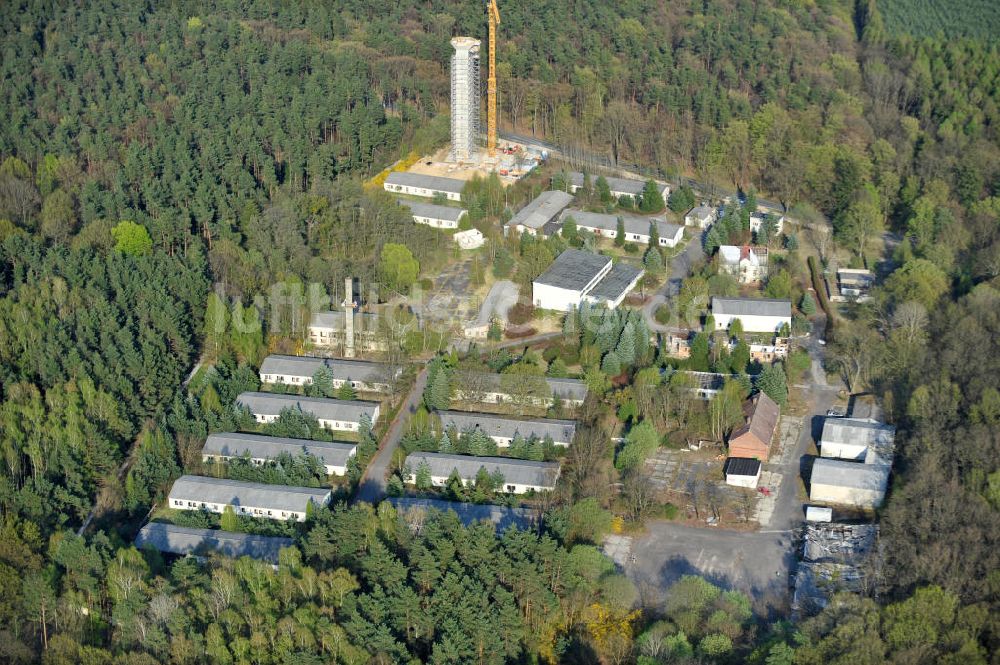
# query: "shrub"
521,313
663,315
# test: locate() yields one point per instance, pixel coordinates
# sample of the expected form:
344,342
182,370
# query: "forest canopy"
162,164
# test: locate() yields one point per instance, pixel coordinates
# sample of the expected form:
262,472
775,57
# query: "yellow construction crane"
493,15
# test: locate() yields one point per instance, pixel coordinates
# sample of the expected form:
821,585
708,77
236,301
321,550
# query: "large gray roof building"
255,499
575,270
756,314
334,456
185,540
503,430
519,475
577,276
331,413
545,208
502,517
616,284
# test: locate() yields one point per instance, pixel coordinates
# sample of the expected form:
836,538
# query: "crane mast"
493,15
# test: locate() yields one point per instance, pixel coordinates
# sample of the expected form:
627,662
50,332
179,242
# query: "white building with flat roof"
764,315
577,276
742,472
519,476
274,502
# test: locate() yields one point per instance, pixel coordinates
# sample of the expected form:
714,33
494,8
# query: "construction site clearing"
510,167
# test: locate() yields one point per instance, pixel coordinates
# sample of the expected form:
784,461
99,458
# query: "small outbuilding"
700,217
742,472
471,239
819,514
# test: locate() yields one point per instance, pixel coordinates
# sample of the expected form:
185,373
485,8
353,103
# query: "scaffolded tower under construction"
464,98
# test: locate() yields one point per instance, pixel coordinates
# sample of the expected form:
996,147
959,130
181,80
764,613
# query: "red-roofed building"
753,439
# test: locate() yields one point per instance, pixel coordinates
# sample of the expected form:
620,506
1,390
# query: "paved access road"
373,482
680,268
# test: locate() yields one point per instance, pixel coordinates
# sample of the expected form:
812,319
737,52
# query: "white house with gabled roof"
766,315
